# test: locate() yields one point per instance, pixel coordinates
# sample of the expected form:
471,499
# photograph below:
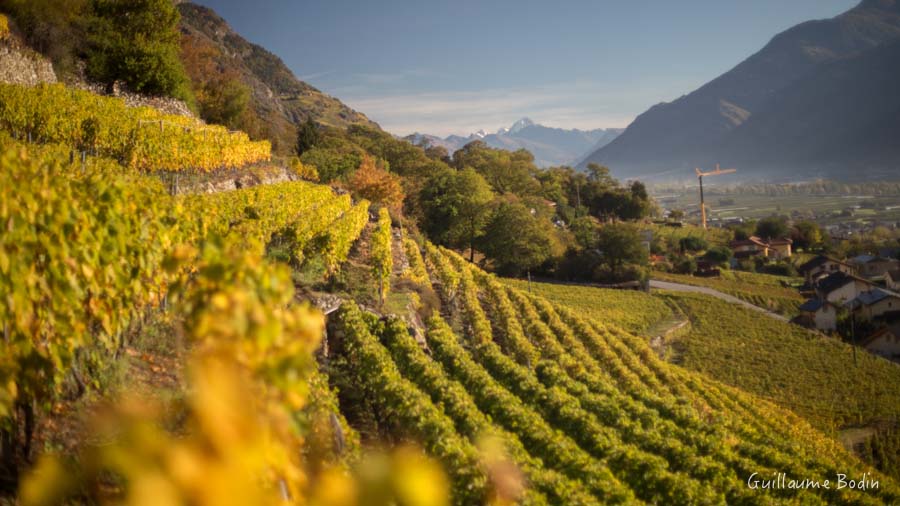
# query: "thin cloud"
582,105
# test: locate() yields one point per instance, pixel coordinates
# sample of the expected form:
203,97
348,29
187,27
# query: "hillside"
166,320
550,146
790,366
279,100
795,85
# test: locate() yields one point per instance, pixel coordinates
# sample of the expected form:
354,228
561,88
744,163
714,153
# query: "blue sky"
459,66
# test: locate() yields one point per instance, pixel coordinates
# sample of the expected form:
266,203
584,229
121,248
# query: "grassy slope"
817,377
762,290
629,309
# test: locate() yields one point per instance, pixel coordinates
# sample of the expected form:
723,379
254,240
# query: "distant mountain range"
279,100
820,99
550,146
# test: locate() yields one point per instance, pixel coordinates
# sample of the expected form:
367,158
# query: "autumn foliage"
376,184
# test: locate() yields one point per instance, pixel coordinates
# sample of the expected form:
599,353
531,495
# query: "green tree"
506,172
137,42
516,240
718,254
307,136
771,227
806,234
620,245
456,208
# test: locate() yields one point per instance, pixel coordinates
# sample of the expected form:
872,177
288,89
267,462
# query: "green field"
761,290
630,309
824,207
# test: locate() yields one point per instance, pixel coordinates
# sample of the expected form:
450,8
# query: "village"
857,298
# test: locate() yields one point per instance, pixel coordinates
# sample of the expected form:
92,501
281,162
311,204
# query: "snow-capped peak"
480,134
521,124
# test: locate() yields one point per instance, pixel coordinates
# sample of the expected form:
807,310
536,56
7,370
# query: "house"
875,303
884,342
839,287
819,314
781,248
754,246
822,265
869,266
892,280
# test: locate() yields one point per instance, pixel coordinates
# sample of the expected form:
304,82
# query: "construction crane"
700,175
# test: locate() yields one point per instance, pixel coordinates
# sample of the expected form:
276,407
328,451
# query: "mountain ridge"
697,128
279,99
550,146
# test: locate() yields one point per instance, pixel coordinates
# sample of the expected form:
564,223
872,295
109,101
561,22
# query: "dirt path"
678,287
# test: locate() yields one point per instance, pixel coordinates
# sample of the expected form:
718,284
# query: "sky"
457,66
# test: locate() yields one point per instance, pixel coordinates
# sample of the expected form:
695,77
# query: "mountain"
819,99
550,146
279,100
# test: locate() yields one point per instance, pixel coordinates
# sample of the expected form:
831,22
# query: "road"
678,287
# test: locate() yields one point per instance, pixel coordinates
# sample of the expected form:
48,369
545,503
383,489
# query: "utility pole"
700,175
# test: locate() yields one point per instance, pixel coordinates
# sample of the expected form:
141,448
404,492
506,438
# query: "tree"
806,234
506,172
692,243
771,228
620,244
221,96
377,185
584,229
718,255
307,136
516,240
455,206
137,42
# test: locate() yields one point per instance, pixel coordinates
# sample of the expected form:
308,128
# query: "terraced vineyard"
140,138
88,253
583,408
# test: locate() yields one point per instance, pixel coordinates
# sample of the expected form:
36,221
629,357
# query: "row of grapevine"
334,244
416,271
645,473
364,359
459,404
380,253
668,436
80,255
140,138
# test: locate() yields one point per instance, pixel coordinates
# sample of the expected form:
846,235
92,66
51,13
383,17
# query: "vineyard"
516,394
583,408
140,138
631,310
789,365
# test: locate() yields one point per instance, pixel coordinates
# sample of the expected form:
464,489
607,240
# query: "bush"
302,170
780,269
623,274
4,27
692,243
718,255
686,265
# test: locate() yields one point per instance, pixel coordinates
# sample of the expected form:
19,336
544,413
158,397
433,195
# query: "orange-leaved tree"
376,184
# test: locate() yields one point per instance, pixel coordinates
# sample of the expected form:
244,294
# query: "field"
826,208
631,310
761,290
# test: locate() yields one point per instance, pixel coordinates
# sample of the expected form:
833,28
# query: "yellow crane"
700,175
